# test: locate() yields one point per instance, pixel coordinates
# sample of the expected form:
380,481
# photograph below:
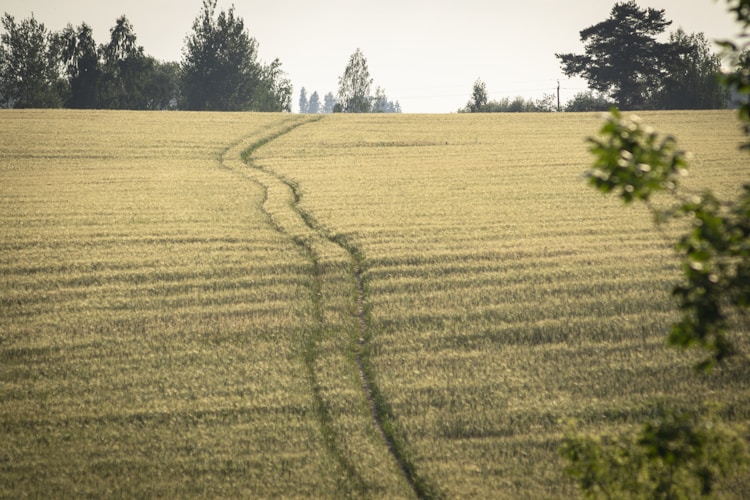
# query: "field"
271,305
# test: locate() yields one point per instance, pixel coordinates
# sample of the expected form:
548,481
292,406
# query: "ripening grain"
152,321
173,324
506,296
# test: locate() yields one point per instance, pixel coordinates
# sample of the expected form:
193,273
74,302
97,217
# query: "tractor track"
307,234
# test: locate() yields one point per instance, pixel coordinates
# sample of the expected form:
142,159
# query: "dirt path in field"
341,329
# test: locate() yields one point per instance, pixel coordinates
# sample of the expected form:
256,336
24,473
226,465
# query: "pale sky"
425,53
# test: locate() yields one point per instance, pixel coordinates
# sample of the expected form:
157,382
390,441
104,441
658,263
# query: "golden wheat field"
368,306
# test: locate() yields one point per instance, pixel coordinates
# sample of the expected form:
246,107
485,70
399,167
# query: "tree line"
219,70
624,64
627,67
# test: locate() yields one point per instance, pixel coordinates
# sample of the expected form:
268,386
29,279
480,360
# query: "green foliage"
354,85
624,60
478,97
29,75
126,70
80,58
588,101
715,250
741,9
480,103
274,92
622,57
635,163
678,455
633,160
691,75
115,75
221,71
673,455
220,68
163,90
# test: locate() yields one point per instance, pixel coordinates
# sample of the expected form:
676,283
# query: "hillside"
200,304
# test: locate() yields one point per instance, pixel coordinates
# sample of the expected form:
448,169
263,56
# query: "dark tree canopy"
220,67
221,71
274,92
622,57
81,60
163,90
126,70
691,80
28,65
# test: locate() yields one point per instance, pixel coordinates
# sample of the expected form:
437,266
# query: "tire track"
277,206
339,338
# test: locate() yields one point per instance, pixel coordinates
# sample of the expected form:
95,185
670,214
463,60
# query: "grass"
180,313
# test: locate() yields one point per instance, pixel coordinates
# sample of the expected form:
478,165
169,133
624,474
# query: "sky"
425,54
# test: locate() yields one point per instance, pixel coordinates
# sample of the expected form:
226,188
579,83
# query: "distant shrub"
588,101
515,105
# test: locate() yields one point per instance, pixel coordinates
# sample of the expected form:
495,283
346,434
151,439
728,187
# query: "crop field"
369,306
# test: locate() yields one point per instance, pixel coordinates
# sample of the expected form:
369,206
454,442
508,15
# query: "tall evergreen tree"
622,57
329,103
313,106
303,101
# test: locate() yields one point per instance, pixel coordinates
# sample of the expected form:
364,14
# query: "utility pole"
558,96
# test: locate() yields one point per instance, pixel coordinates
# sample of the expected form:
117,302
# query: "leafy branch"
635,162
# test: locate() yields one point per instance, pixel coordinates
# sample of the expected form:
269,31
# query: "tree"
329,102
313,107
163,88
381,104
29,75
354,85
679,454
622,58
220,68
274,92
478,97
126,69
303,101
692,75
79,56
